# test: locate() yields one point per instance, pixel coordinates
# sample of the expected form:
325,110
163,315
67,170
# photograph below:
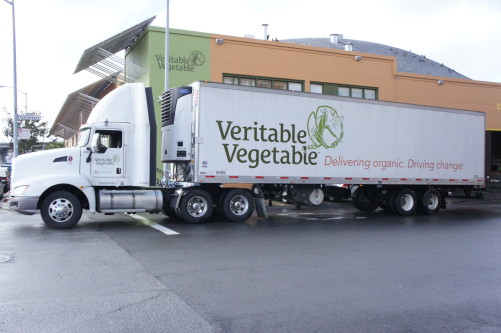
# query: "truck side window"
109,139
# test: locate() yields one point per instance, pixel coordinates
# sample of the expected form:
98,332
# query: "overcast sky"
465,35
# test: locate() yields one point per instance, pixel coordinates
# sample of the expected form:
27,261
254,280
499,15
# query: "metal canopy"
77,107
114,67
112,45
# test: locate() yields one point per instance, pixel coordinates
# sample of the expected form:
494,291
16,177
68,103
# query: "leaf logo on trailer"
325,128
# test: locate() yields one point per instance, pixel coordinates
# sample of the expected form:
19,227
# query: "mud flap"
258,195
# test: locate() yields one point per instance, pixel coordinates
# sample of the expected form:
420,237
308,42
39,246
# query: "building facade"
330,66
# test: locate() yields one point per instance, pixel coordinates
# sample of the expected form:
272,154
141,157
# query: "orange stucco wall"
253,57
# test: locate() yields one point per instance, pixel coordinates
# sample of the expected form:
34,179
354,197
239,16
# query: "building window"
342,90
263,83
295,86
282,84
316,88
230,80
357,93
370,93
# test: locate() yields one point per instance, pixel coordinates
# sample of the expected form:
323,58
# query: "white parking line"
154,225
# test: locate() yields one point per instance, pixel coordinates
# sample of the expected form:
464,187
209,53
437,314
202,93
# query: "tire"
404,202
237,205
61,210
429,201
169,213
387,203
335,193
365,201
195,206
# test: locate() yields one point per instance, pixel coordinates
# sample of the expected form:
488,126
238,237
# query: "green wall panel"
189,61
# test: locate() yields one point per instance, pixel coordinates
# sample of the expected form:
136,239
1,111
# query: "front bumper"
24,205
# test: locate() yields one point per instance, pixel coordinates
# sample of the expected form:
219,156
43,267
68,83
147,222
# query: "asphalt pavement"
319,269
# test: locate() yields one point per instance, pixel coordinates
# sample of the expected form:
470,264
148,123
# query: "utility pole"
15,140
168,168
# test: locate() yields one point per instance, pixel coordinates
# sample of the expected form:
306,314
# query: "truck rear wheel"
429,201
364,200
237,205
404,202
195,206
61,210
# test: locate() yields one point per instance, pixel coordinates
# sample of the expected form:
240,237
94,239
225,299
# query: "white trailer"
231,147
403,157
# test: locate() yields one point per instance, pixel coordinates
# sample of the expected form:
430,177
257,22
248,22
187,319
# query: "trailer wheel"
404,202
429,201
365,201
61,210
195,206
237,205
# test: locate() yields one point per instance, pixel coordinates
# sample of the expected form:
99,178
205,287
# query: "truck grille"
167,108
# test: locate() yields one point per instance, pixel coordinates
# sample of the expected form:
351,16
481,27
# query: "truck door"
107,160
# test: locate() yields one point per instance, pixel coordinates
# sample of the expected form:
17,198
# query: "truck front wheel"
237,205
195,206
61,210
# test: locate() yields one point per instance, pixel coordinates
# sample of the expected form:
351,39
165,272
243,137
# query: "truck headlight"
20,190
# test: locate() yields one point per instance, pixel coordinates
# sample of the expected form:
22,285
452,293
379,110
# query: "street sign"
29,116
24,134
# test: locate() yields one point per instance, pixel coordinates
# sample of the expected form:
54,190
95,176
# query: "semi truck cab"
116,150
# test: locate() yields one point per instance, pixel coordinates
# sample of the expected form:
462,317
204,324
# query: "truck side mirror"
90,154
95,143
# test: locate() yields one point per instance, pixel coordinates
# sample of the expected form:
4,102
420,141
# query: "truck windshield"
84,137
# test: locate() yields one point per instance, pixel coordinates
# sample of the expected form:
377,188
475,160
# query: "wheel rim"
61,210
407,202
239,205
197,206
431,201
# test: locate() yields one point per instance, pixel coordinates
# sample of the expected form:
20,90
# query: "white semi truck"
231,147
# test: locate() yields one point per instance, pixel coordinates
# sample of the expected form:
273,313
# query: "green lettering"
285,158
246,132
234,131
301,135
253,158
297,156
241,154
275,151
312,156
264,155
285,132
228,156
224,134
262,129
273,137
